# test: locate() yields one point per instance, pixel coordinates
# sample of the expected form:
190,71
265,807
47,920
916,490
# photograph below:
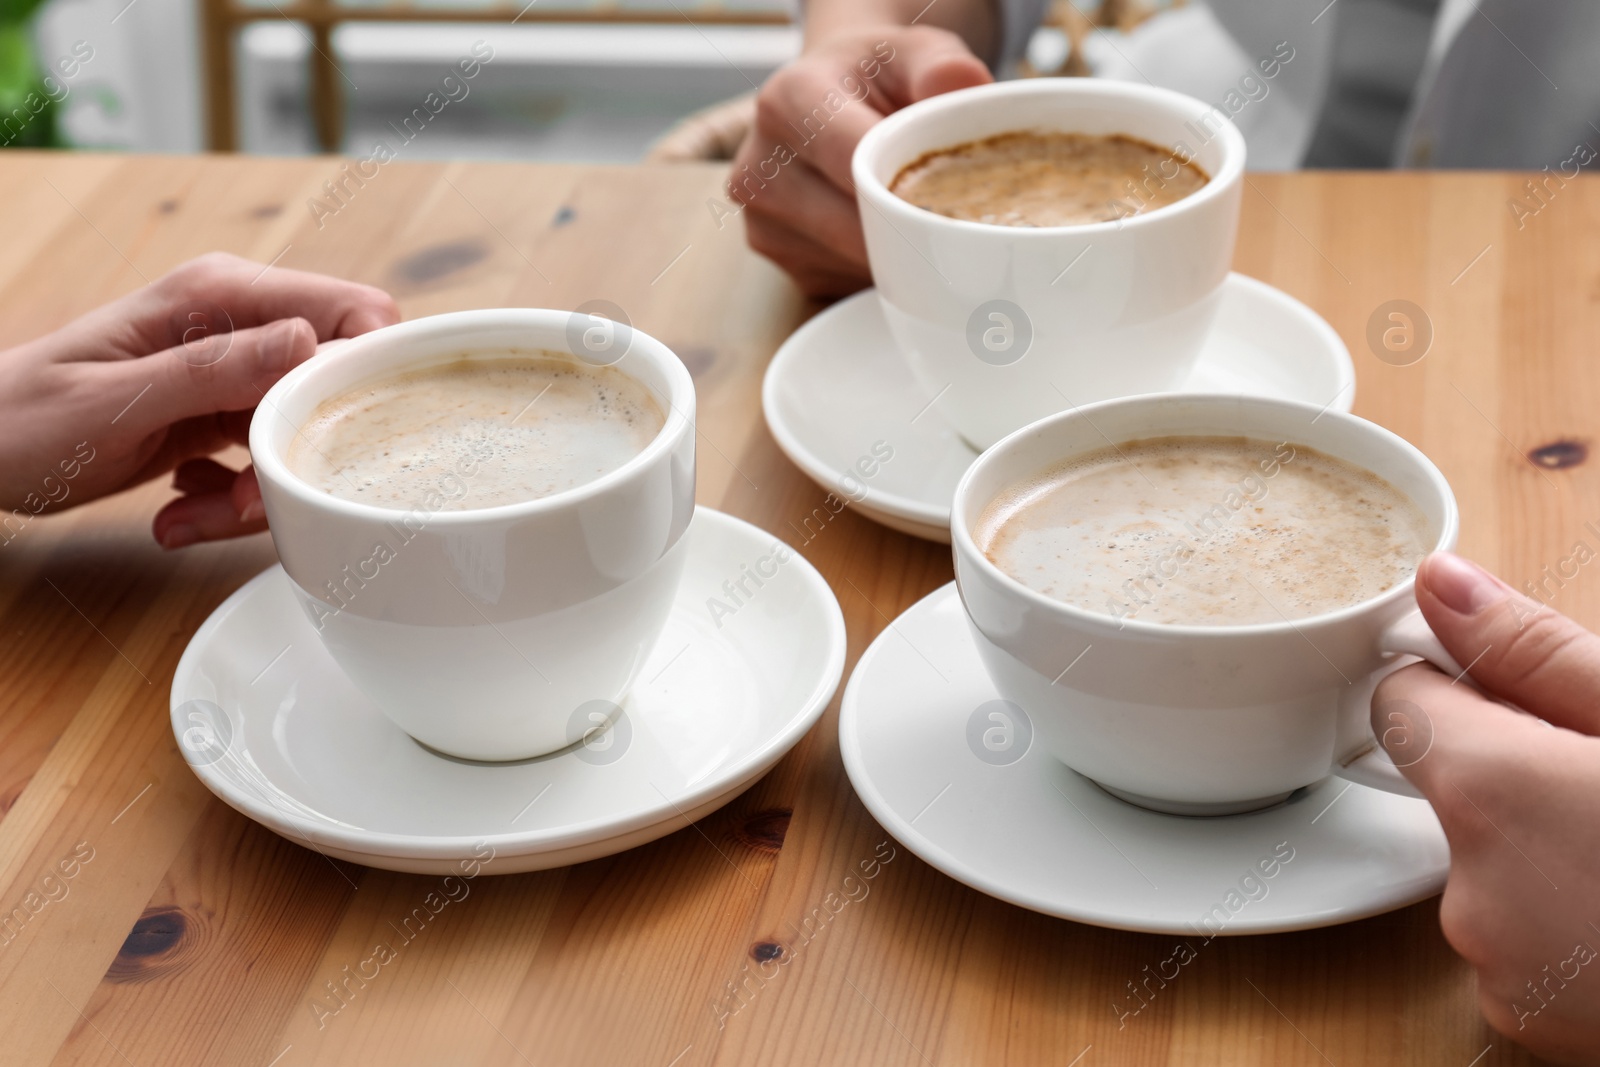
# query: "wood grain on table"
192,936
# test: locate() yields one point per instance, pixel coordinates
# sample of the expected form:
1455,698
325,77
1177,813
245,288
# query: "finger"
254,295
189,520
1510,792
219,293
800,221
205,517
203,476
806,206
246,497
1461,747
196,438
802,113
816,268
820,106
931,62
235,425
230,375
1519,649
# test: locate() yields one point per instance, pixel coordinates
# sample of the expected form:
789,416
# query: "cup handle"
1370,764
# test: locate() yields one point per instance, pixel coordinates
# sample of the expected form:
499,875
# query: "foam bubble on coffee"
1205,531
496,428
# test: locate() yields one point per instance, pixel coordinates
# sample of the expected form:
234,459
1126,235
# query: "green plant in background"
27,107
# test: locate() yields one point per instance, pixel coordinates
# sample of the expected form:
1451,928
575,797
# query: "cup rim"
868,185
964,544
271,466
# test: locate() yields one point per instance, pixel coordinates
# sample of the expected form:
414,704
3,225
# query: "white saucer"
838,387
1037,834
301,752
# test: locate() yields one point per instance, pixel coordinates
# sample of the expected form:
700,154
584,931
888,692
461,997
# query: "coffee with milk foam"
1207,531
1042,178
479,432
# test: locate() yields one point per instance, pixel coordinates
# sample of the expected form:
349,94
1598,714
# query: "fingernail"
1461,585
180,535
253,511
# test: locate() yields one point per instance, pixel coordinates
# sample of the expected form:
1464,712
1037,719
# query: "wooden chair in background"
714,133
221,21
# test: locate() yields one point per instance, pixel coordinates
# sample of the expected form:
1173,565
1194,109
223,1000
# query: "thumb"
1519,650
926,62
1440,733
218,372
947,71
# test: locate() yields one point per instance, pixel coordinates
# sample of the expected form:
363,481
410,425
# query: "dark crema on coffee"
1208,531
1040,178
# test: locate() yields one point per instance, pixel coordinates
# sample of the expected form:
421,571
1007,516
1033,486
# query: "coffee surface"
1213,531
476,433
1047,179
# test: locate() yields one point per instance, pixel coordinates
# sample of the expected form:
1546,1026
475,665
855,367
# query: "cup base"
1195,810
509,761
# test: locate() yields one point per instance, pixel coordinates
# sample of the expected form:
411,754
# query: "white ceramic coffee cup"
494,633
1004,325
1198,719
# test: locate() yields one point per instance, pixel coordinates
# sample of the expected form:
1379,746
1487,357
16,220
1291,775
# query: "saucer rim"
946,863
384,844
876,503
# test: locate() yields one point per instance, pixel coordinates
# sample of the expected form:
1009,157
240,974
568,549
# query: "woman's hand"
159,380
792,173
1518,795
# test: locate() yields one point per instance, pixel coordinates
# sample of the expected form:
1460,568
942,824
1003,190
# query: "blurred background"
1352,83
570,80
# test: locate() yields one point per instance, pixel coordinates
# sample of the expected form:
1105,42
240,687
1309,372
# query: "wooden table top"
193,936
